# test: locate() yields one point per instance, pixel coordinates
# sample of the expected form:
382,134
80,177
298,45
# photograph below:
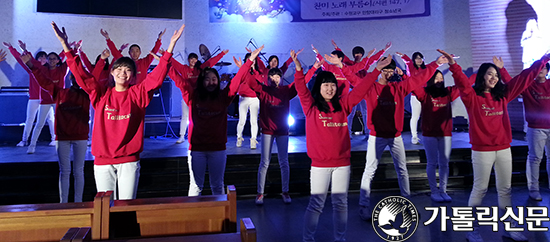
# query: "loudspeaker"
160,105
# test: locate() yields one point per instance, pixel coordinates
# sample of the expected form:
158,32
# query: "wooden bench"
49,222
154,217
247,234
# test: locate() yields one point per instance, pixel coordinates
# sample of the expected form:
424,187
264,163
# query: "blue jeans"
282,154
199,161
321,178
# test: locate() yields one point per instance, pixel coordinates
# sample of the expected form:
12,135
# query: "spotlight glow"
290,120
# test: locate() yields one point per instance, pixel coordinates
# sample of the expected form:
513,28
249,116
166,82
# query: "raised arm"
461,80
300,84
241,74
213,60
17,57
522,81
112,47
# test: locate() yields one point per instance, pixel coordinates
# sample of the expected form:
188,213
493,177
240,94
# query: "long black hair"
193,55
500,88
201,90
418,54
319,101
436,90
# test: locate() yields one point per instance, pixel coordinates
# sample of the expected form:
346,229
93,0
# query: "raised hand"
104,33
238,62
446,58
318,63
383,62
388,45
105,54
77,46
294,57
248,49
26,59
161,34
62,36
161,51
124,46
7,44
225,51
314,49
2,55
255,53
371,52
22,45
299,51
175,37
498,62
334,43
333,59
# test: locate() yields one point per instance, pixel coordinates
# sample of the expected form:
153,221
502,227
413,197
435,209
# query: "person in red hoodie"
274,111
208,125
37,96
413,67
117,140
490,131
536,100
248,101
135,52
326,119
437,127
190,72
55,70
71,129
385,104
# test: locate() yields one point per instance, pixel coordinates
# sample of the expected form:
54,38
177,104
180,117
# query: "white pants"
122,179
199,161
321,178
184,118
438,153
246,103
538,141
32,109
416,108
363,108
45,113
79,155
482,163
376,146
282,154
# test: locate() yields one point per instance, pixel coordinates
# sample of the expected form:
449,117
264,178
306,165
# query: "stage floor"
163,147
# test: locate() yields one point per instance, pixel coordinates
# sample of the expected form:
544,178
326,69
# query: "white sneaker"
22,143
53,143
364,213
240,141
31,149
180,140
415,140
474,236
253,144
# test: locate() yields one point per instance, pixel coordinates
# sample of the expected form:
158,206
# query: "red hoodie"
142,64
386,105
490,128
35,92
119,118
72,111
208,118
437,116
536,100
327,135
274,106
